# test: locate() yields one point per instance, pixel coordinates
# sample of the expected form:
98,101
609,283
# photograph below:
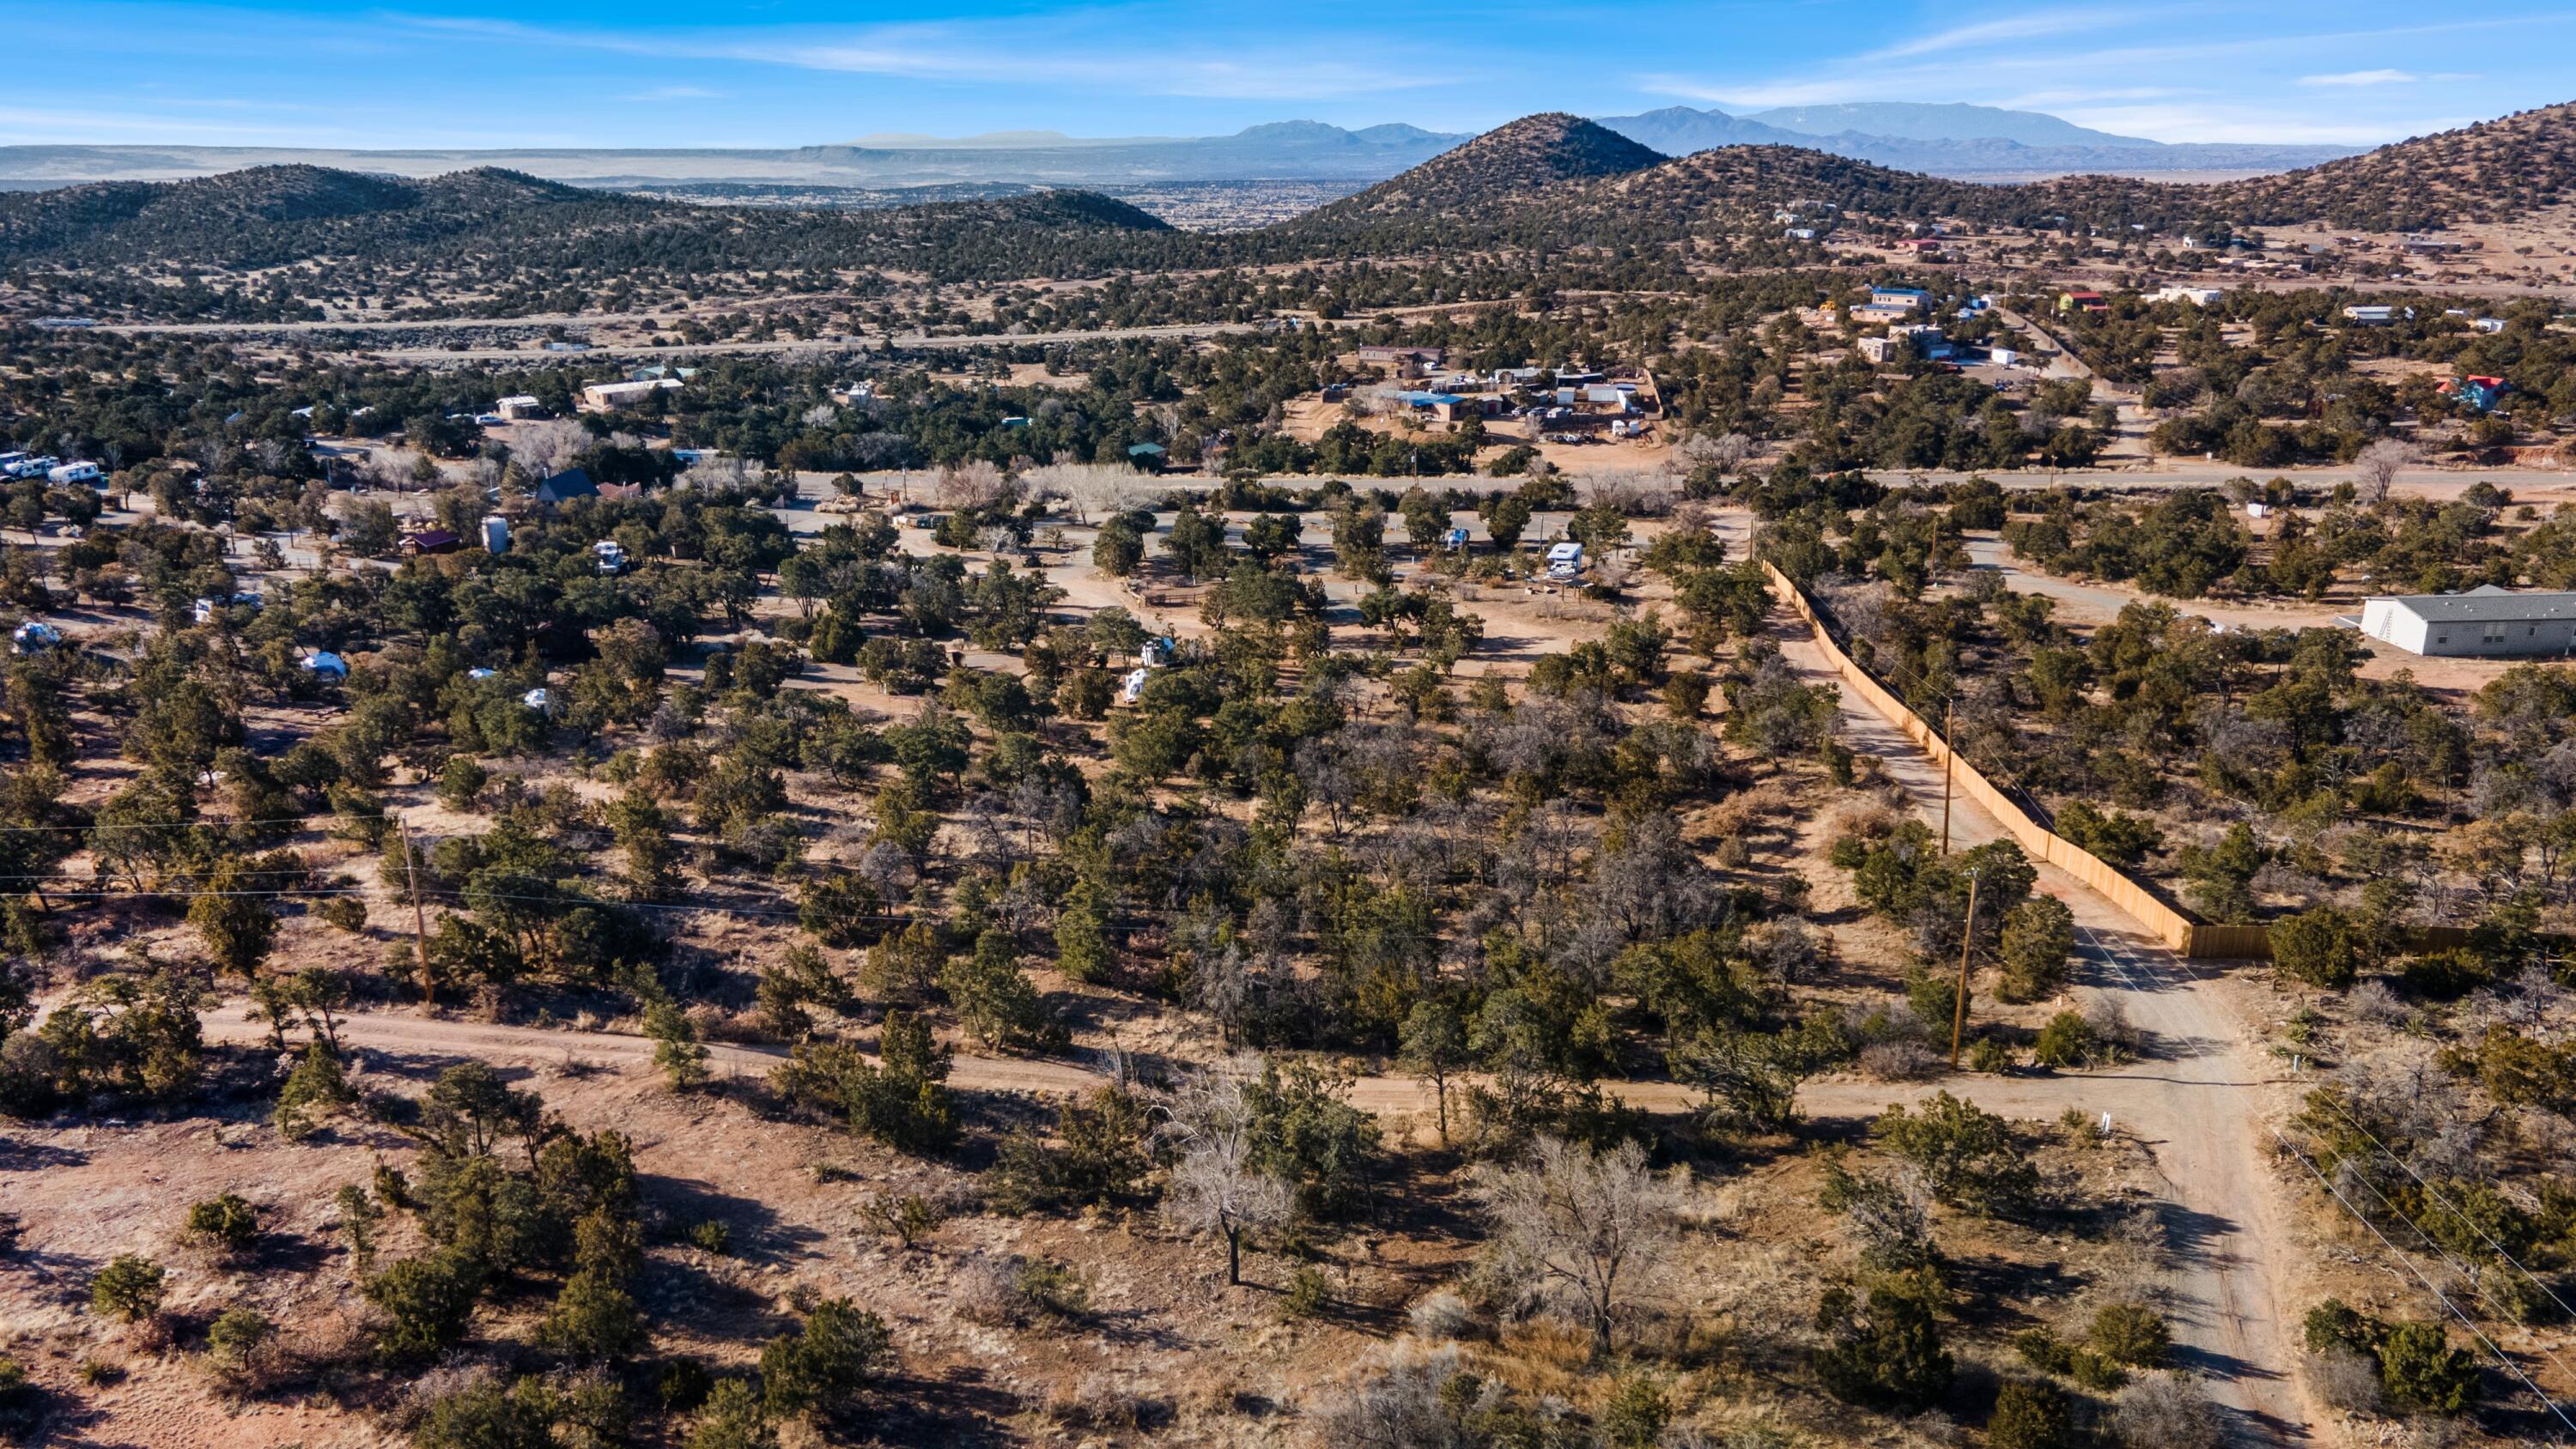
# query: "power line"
2453,1208
2119,963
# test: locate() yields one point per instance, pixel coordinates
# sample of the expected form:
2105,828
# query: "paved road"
836,343
908,341
2185,473
391,324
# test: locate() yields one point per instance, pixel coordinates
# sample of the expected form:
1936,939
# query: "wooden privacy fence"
2179,932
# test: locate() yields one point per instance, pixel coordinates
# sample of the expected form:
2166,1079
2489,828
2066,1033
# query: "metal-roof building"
2483,621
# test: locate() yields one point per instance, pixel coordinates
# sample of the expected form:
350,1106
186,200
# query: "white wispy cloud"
1761,95
973,54
676,93
2038,25
2250,125
2042,100
2362,78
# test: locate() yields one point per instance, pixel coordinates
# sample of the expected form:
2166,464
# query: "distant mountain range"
1546,181
1942,140
1557,175
1281,151
1966,142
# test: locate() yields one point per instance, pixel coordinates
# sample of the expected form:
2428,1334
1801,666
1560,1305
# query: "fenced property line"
2196,940
2180,933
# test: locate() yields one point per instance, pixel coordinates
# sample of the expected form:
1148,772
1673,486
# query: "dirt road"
2190,1101
2197,1100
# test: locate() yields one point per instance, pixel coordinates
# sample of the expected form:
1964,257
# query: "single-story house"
430,541
1406,361
2374,315
2487,621
566,486
2081,301
520,405
1909,298
1146,456
2481,393
609,397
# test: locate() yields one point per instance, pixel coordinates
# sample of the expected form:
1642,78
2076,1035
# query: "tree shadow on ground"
755,1232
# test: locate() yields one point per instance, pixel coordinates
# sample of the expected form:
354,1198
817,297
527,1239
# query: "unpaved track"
2197,1100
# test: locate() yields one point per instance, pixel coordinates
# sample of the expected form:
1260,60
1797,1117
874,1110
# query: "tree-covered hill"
273,216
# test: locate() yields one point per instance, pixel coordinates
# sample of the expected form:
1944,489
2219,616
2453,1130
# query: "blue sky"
655,73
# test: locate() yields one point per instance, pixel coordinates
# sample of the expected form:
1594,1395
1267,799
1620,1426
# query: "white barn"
2483,621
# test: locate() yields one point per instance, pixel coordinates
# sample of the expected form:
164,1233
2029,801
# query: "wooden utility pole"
1959,1004
420,921
1948,753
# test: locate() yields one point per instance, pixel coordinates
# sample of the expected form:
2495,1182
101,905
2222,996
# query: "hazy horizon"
287,73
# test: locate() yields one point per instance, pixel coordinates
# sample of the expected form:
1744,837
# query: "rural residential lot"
1579,797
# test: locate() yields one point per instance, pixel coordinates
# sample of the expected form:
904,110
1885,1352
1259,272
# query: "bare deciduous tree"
546,447
2166,1411
1572,1228
1215,1187
2375,468
974,483
1402,1405
1094,489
